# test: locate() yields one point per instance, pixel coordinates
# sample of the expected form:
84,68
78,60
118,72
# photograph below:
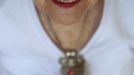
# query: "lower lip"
66,5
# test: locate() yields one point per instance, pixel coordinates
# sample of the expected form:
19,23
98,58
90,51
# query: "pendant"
72,63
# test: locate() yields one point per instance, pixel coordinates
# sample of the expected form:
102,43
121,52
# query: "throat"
68,31
69,37
72,34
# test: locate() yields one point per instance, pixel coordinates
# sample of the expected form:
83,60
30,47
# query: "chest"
101,59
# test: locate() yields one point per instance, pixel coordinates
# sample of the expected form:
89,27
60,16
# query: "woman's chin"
68,8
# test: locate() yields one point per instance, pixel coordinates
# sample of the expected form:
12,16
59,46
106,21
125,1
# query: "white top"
25,49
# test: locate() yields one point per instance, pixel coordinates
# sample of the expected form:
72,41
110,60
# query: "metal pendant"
72,63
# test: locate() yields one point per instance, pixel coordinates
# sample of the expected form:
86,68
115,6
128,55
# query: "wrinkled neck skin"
69,23
70,16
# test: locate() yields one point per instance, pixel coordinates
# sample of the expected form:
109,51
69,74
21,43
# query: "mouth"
66,3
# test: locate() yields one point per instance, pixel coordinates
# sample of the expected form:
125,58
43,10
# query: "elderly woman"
66,37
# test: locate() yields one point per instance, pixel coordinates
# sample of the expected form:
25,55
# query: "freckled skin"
68,23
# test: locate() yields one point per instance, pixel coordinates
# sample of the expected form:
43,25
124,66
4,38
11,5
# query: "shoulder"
13,18
123,13
12,11
12,5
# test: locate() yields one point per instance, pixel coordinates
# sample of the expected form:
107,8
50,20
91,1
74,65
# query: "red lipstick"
67,4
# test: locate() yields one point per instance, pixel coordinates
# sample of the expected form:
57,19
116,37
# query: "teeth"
66,1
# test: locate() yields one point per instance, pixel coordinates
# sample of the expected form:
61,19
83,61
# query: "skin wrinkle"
70,22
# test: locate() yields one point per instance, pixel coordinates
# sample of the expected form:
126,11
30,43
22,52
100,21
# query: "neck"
69,32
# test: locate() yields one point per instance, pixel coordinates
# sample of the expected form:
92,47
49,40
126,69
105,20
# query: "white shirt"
26,49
